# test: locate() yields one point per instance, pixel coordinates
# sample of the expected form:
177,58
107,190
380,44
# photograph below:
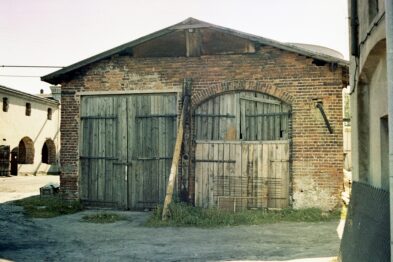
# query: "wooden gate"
4,160
242,152
126,148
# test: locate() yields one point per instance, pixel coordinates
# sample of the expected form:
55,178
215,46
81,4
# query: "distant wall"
15,125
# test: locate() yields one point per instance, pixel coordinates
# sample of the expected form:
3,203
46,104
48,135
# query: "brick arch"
48,152
216,89
26,151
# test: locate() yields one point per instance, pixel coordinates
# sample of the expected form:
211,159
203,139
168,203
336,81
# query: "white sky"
62,32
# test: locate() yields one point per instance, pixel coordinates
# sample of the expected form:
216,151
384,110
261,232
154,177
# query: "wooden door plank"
198,175
122,147
205,181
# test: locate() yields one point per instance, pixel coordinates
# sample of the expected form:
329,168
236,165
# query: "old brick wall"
317,156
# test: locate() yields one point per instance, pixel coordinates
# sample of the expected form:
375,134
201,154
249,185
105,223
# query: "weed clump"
102,218
182,214
49,206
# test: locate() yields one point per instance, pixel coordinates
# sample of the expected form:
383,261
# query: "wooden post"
175,160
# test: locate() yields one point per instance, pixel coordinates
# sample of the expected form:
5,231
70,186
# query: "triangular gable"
190,38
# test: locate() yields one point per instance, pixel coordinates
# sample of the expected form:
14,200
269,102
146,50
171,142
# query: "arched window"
48,152
26,151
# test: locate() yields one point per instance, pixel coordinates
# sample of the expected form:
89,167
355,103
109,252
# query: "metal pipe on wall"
389,59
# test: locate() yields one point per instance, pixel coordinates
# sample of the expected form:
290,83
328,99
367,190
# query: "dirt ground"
66,238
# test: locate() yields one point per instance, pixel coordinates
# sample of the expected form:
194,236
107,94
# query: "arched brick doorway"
48,152
242,151
26,151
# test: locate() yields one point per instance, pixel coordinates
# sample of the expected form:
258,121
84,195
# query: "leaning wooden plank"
175,163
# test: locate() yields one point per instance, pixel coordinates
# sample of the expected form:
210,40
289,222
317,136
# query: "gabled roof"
192,23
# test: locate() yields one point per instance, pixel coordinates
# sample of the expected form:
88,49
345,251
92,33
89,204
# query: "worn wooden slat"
131,139
161,150
95,150
204,124
213,174
102,106
198,175
120,189
249,177
243,120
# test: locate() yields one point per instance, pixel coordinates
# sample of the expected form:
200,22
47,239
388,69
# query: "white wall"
14,125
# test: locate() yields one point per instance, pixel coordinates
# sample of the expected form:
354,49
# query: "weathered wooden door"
126,144
4,160
242,152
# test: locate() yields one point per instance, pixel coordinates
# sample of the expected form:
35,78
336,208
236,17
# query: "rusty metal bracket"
320,107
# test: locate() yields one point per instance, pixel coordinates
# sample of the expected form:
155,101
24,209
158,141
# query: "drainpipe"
389,62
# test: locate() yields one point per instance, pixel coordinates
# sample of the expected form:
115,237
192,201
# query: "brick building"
264,127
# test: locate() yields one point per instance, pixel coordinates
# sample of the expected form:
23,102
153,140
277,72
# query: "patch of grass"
48,206
182,214
102,218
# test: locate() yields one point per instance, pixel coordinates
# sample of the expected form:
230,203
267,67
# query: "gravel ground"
66,238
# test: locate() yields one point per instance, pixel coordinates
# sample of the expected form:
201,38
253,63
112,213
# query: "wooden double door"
242,152
126,147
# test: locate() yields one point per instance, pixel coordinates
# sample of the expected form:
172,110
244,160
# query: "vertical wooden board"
243,123
265,129
226,184
252,106
120,189
244,173
205,176
132,136
261,193
285,173
236,188
210,120
256,181
259,121
235,106
271,122
216,120
249,177
277,123
94,144
222,123
109,151
220,179
102,108
265,174
198,175
213,174
155,146
274,183
147,138
161,150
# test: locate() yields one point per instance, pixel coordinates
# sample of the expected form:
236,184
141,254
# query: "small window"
5,104
28,109
373,10
49,113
